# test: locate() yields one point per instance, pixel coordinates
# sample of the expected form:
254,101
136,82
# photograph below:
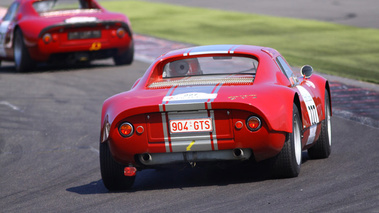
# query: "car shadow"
187,177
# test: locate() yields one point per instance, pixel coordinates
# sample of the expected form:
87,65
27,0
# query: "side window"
284,67
11,13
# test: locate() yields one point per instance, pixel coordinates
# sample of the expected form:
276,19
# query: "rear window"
55,5
215,70
220,65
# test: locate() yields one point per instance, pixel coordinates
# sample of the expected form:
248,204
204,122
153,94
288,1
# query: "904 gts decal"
191,125
310,104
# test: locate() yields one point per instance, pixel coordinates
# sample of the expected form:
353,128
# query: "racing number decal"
95,46
313,114
310,104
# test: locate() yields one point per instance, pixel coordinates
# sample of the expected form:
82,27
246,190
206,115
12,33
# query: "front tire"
22,59
112,172
322,148
288,162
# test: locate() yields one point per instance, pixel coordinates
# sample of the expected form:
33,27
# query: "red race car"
66,31
216,103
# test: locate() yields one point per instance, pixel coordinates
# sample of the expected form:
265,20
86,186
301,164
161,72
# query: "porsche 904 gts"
63,30
216,103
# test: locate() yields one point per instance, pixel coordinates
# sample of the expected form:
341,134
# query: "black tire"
112,172
322,148
23,61
125,58
288,162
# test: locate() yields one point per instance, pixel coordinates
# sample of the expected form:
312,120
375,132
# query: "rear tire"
288,162
22,59
322,148
112,172
125,58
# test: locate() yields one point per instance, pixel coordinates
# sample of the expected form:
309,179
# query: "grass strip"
330,48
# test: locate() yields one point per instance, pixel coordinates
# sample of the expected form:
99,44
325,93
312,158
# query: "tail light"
120,32
253,123
47,38
238,125
126,129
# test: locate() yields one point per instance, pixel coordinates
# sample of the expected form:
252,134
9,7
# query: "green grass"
330,48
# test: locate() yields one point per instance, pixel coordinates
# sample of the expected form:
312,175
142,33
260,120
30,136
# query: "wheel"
125,58
22,59
112,172
322,147
288,162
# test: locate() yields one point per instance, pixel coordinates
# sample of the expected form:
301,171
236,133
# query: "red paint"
270,97
34,26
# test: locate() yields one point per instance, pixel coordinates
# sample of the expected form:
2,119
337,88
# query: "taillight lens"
120,32
238,125
253,123
126,129
47,38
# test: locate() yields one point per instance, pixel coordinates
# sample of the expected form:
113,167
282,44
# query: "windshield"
54,5
220,65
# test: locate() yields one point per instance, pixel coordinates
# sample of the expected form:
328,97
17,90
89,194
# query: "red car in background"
67,31
218,103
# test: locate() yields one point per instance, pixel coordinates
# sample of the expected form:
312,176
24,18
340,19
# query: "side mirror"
306,71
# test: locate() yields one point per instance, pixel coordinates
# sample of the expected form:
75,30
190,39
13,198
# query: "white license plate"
191,125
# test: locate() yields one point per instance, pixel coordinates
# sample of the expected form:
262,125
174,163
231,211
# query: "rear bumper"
43,52
154,159
141,153
61,43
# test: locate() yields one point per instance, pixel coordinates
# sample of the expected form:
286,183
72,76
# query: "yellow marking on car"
95,46
189,146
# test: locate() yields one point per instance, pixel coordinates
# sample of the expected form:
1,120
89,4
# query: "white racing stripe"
312,113
178,104
310,104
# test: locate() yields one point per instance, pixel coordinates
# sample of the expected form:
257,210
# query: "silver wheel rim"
297,142
329,123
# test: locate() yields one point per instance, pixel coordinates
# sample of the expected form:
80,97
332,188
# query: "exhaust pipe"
146,158
238,153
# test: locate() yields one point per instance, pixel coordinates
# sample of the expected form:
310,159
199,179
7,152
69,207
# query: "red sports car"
216,103
66,31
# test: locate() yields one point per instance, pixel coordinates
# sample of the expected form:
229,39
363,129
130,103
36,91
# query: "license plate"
191,125
84,35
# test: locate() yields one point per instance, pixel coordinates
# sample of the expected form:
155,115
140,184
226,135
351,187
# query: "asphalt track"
49,128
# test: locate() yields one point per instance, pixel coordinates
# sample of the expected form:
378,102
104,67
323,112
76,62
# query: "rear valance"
85,24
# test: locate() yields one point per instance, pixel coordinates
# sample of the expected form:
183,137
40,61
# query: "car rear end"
204,115
81,34
194,132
